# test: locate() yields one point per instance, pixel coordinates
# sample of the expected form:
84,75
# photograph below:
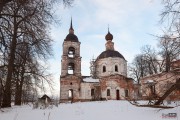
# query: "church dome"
109,36
71,37
110,53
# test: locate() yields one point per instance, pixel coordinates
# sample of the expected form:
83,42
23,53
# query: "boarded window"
116,68
104,68
108,92
92,92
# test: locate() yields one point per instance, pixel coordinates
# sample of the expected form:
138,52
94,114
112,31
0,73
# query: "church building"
108,80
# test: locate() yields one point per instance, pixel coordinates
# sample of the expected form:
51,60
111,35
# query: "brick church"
108,80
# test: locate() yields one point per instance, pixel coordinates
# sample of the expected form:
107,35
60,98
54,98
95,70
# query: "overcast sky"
130,21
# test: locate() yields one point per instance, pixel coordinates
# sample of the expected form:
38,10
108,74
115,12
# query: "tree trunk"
160,100
171,89
7,94
18,94
167,62
10,66
153,67
1,93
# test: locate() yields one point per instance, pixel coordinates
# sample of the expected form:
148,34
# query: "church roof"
110,53
44,97
71,37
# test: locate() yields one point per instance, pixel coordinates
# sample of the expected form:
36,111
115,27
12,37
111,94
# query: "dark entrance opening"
117,95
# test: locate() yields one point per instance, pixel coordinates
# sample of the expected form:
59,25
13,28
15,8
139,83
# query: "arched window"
71,68
104,68
126,93
108,92
71,52
116,68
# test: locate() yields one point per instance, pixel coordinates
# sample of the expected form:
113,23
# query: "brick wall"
70,83
162,82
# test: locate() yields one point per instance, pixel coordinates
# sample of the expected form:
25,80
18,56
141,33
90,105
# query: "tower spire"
108,28
71,26
109,36
109,44
71,30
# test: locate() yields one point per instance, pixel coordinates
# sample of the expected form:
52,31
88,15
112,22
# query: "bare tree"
170,13
170,42
135,69
152,62
144,64
3,3
24,39
24,22
170,50
150,56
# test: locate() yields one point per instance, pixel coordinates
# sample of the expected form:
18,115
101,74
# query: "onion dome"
110,53
71,36
109,36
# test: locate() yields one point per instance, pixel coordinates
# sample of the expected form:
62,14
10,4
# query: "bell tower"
71,60
70,68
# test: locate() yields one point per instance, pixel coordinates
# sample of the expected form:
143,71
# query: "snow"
90,79
150,81
100,110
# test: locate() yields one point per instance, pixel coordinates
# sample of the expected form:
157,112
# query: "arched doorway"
117,95
70,95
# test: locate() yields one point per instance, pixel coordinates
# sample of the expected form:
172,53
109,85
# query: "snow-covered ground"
104,110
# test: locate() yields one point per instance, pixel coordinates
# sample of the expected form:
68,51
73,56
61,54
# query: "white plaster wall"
110,66
113,86
85,91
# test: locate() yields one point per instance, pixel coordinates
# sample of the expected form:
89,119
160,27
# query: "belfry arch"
71,68
71,52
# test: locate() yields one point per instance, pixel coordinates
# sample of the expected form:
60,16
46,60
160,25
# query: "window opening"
152,88
116,68
104,68
71,68
92,92
117,95
126,93
71,52
108,92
